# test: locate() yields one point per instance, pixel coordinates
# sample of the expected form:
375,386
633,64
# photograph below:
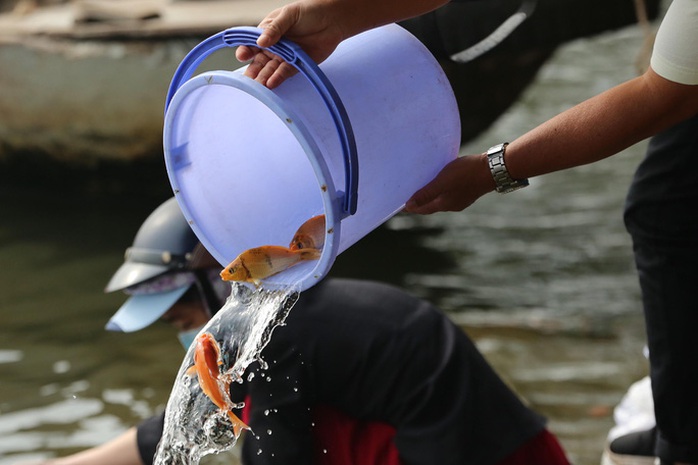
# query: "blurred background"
542,279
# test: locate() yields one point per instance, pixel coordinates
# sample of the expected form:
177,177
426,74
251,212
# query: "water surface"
542,279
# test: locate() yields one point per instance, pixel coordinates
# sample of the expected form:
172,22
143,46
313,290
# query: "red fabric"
342,440
245,414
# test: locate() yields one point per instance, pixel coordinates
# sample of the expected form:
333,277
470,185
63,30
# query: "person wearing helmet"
361,373
165,262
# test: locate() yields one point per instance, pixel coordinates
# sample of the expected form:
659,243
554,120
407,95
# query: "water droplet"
259,451
266,412
269,432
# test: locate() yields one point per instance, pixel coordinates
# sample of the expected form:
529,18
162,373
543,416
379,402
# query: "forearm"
602,126
357,16
318,26
590,131
122,450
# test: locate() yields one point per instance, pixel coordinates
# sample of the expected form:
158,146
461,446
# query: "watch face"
497,148
503,181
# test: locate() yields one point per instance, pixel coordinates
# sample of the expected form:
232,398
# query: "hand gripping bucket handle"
295,56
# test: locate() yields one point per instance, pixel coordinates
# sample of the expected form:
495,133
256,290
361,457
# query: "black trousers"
661,215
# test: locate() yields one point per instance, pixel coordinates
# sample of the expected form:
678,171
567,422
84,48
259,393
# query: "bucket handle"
295,56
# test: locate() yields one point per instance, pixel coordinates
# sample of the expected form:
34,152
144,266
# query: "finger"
270,36
283,72
245,53
428,208
275,25
268,70
422,197
256,66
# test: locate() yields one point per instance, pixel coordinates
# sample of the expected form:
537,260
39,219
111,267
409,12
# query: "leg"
662,218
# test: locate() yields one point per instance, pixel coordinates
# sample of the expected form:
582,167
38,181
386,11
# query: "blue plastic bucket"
352,139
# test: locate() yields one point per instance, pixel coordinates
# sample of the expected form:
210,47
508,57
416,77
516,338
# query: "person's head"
168,274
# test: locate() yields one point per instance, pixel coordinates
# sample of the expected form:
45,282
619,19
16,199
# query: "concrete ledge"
191,18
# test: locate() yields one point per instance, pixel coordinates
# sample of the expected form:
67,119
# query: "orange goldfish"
207,363
311,234
258,263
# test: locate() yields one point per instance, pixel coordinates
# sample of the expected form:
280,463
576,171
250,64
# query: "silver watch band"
503,181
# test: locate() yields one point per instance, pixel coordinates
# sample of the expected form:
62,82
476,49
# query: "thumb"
275,25
270,35
421,199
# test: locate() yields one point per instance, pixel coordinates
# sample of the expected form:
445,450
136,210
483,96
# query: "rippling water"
543,279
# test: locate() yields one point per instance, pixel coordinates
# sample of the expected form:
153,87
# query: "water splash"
194,426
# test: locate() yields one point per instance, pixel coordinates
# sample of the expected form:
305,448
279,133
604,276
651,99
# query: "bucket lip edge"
331,197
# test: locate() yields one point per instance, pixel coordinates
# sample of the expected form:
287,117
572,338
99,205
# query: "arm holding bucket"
595,129
665,95
318,26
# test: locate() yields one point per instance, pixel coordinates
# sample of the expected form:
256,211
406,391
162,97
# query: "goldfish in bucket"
311,234
258,263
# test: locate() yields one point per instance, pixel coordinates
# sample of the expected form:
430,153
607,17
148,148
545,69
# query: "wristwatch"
504,183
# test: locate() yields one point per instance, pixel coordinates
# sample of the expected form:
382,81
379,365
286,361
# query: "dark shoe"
632,449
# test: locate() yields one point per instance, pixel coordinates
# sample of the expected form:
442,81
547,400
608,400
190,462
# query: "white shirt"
675,54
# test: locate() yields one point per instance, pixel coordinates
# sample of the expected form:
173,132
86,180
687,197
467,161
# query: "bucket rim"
294,55
331,197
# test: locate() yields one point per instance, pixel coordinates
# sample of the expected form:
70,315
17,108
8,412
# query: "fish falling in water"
207,364
258,263
311,234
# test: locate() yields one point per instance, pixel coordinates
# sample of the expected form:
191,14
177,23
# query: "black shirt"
379,354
